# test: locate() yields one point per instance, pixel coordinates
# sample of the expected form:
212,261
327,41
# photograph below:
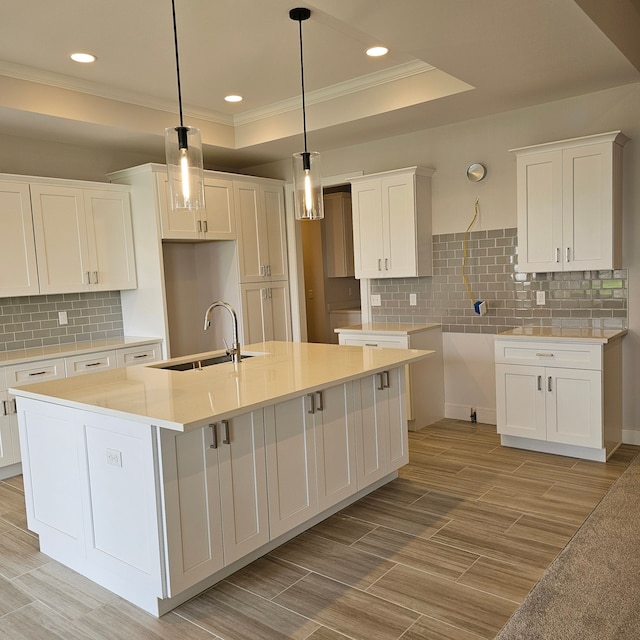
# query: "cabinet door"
218,216
338,235
192,506
243,485
272,202
180,224
59,224
9,443
574,406
399,230
539,178
588,207
260,220
110,240
291,465
370,435
255,312
280,317
394,408
368,229
18,268
520,401
335,444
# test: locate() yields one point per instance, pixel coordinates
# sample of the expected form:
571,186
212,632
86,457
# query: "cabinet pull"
545,355
320,401
557,254
205,226
5,411
263,293
386,264
12,406
568,254
92,364
387,379
95,277
549,384
199,226
225,426
88,277
262,270
313,402
539,383
381,387
370,344
214,436
38,373
268,269
379,264
141,355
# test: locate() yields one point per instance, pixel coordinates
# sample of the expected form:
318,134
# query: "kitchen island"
156,483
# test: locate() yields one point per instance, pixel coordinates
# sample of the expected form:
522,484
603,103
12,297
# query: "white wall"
450,149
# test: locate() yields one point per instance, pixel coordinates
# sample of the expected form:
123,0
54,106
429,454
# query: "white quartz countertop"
71,349
563,333
391,328
184,400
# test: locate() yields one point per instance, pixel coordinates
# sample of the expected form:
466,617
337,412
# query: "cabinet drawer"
385,342
39,371
549,354
90,362
138,355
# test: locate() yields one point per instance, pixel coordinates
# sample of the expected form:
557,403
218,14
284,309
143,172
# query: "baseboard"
10,471
630,436
463,412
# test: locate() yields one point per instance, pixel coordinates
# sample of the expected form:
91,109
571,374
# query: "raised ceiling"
448,61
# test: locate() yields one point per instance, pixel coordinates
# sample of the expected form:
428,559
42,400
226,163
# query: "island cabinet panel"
90,489
334,427
215,497
381,425
291,465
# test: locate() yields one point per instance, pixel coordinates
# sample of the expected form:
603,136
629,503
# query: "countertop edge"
615,334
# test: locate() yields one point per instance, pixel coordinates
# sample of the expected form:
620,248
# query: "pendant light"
183,148
307,182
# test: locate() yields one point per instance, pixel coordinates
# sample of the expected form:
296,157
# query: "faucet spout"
234,352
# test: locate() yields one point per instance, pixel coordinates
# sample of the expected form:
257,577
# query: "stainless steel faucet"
234,352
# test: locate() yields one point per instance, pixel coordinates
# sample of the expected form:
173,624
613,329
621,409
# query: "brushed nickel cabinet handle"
4,408
379,264
320,401
225,426
545,355
539,383
214,436
38,373
568,254
205,226
549,384
312,396
557,254
387,379
386,264
381,387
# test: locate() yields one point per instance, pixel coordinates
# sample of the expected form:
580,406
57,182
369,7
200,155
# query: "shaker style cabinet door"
18,268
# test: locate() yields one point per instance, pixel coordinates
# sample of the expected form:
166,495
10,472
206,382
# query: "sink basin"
200,363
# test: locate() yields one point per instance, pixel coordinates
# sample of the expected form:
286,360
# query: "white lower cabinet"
560,397
215,497
291,465
9,443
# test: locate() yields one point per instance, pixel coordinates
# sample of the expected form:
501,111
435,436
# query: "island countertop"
185,400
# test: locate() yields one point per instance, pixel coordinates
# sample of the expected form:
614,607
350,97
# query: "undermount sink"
200,363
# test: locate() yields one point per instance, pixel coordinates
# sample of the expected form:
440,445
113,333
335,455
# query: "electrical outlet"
114,457
62,317
540,298
376,301
413,299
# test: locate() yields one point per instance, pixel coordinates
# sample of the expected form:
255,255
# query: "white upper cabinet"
18,270
262,238
215,222
570,204
84,240
392,223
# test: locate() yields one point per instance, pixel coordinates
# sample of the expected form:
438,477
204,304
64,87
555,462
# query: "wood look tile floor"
447,551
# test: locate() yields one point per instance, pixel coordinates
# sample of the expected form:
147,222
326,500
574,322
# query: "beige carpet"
592,589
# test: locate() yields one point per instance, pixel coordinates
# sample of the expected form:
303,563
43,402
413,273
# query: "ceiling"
449,61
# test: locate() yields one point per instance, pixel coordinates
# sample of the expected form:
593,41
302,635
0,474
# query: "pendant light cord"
175,41
304,111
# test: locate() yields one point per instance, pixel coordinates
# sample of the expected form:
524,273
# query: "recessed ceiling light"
375,52
233,98
83,57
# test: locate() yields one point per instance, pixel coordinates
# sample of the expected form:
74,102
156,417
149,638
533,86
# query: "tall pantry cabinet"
235,251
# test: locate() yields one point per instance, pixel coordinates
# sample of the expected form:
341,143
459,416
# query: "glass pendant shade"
307,186
184,167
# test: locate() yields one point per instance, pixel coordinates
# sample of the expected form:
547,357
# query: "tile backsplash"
32,321
574,299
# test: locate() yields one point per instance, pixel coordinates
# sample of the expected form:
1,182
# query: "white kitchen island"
157,483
